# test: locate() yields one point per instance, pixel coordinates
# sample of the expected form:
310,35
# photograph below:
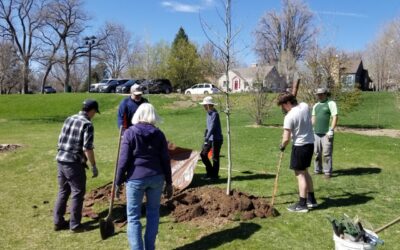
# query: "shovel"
107,225
387,225
271,210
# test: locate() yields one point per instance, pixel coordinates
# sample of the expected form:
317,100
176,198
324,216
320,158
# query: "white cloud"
188,8
337,13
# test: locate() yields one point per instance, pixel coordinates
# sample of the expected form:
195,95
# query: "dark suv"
111,86
125,88
157,86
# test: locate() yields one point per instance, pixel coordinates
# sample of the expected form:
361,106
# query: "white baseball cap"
207,100
136,89
321,91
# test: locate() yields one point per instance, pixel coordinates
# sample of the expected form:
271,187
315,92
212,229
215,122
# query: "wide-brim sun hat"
208,100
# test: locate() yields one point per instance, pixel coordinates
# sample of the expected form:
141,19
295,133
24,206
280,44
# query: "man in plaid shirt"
75,147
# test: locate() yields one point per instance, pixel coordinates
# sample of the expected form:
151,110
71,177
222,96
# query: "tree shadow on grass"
344,200
242,231
357,171
361,126
199,182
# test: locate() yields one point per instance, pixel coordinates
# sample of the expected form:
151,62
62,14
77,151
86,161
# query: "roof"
351,67
251,72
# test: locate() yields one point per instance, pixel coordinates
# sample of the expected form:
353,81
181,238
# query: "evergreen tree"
184,66
181,35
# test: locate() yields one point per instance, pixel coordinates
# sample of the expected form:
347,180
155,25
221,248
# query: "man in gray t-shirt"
297,125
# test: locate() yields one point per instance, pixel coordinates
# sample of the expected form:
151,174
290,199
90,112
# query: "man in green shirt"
322,112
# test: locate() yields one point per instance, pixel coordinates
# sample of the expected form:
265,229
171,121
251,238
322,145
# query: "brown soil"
212,202
8,147
394,133
201,203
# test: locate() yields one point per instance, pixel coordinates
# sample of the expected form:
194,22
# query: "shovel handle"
115,174
276,180
387,225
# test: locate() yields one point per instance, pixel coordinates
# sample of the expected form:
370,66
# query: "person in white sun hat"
212,139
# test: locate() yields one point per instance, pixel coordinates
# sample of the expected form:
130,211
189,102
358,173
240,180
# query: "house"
245,79
353,74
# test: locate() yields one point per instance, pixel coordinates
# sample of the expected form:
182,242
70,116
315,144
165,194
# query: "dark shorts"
301,157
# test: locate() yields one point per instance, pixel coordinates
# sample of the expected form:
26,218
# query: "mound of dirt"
194,203
212,202
8,147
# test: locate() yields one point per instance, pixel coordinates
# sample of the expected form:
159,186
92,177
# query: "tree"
259,105
115,49
20,21
99,72
224,44
51,43
285,37
382,57
183,62
10,68
211,64
323,69
67,19
149,61
181,35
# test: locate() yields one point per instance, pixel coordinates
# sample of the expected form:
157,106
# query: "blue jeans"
135,191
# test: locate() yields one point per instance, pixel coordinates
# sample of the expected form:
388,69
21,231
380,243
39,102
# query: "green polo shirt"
322,111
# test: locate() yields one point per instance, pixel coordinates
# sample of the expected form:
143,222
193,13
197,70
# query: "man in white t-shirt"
297,125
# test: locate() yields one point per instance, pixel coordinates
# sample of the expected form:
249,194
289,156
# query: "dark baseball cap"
90,104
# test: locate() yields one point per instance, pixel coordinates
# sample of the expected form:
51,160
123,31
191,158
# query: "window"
348,81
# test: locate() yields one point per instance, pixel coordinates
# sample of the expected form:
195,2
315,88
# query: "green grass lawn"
365,181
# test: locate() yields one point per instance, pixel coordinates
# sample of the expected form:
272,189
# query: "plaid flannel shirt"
77,135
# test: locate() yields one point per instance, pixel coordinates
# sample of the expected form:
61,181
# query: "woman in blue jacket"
145,164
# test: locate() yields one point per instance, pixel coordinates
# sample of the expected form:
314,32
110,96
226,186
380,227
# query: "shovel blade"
272,212
106,228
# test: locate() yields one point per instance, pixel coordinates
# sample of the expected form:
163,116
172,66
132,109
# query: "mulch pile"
8,147
194,203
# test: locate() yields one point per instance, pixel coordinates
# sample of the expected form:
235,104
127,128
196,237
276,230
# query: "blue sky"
347,24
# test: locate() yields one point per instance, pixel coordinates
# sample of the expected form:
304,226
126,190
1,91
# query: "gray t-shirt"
298,120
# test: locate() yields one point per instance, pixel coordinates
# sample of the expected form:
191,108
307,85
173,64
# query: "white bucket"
342,244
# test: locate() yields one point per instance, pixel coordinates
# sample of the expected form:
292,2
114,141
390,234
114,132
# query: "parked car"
111,86
157,86
125,88
49,90
95,86
202,89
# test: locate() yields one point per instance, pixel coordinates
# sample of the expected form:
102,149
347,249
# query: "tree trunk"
44,79
25,76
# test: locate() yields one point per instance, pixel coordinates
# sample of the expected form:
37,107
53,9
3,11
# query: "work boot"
79,229
62,226
327,176
206,178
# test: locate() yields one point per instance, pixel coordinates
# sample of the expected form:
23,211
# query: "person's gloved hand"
282,147
95,171
168,190
117,191
330,134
